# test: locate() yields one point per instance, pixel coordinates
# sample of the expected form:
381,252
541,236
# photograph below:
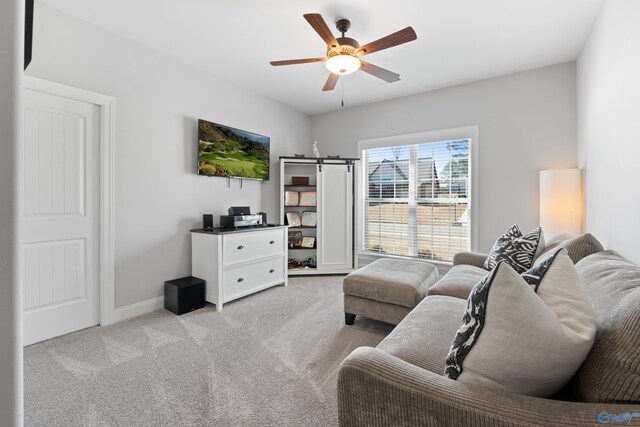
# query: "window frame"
467,132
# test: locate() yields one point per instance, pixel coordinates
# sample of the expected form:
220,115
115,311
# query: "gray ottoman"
387,289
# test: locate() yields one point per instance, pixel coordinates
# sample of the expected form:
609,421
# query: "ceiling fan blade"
395,39
318,24
297,61
381,73
331,82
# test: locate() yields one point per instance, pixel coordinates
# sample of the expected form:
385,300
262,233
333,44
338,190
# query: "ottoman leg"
349,318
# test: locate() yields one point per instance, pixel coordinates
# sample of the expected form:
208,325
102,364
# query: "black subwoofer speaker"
184,295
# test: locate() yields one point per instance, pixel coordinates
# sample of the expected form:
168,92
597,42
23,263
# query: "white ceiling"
458,40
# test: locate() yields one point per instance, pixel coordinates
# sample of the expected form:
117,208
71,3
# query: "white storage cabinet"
236,263
332,180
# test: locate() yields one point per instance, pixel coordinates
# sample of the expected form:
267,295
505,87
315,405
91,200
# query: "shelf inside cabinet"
302,227
300,186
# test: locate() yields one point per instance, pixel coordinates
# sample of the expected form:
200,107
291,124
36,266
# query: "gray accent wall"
609,127
526,121
158,196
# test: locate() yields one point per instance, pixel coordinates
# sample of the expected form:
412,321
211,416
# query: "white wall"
158,101
11,45
527,122
608,75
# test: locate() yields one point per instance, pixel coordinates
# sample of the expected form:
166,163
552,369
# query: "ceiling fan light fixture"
343,64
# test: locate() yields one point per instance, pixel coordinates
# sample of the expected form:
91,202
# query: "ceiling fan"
344,53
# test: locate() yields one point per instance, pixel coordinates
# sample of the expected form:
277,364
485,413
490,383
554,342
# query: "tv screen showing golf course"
229,152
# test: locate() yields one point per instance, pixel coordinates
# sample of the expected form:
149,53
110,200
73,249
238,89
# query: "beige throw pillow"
524,334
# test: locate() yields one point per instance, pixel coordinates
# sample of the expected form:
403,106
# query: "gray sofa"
400,382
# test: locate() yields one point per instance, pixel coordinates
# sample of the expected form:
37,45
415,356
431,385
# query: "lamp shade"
561,201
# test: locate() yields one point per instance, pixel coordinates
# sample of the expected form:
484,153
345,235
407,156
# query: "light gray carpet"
270,359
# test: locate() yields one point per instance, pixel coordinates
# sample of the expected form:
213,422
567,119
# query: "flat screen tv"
233,153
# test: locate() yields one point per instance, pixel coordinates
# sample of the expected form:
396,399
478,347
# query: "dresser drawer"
243,280
248,246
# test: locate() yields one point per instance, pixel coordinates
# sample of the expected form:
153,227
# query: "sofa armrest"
471,258
378,389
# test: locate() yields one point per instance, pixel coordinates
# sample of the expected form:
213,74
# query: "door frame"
106,264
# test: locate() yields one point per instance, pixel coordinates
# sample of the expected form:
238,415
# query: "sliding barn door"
335,218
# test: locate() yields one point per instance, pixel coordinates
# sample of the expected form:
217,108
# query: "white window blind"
416,200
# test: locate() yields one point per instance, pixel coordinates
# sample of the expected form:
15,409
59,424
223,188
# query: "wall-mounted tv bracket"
229,182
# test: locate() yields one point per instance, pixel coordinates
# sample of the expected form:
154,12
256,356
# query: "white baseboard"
138,309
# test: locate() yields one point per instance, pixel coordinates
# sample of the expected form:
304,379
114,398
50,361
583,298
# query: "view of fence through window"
417,200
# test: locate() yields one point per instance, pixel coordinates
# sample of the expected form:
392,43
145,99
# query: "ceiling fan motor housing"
348,46
342,59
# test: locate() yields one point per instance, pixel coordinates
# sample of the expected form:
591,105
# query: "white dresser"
236,263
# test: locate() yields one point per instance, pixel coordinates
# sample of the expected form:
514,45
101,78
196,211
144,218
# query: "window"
416,197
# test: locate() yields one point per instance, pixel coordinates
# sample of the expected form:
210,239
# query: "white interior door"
61,217
335,218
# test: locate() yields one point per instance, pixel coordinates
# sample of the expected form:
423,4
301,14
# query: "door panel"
54,273
335,217
54,163
60,235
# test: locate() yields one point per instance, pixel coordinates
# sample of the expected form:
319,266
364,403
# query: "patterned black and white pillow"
519,252
535,274
469,330
512,233
497,346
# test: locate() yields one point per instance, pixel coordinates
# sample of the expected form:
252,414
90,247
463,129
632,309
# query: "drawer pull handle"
271,271
240,247
272,242
240,280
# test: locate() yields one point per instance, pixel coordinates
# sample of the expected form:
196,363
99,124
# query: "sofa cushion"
393,281
524,336
611,371
519,252
423,337
458,281
577,247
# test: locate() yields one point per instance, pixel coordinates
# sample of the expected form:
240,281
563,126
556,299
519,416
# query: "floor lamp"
561,201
